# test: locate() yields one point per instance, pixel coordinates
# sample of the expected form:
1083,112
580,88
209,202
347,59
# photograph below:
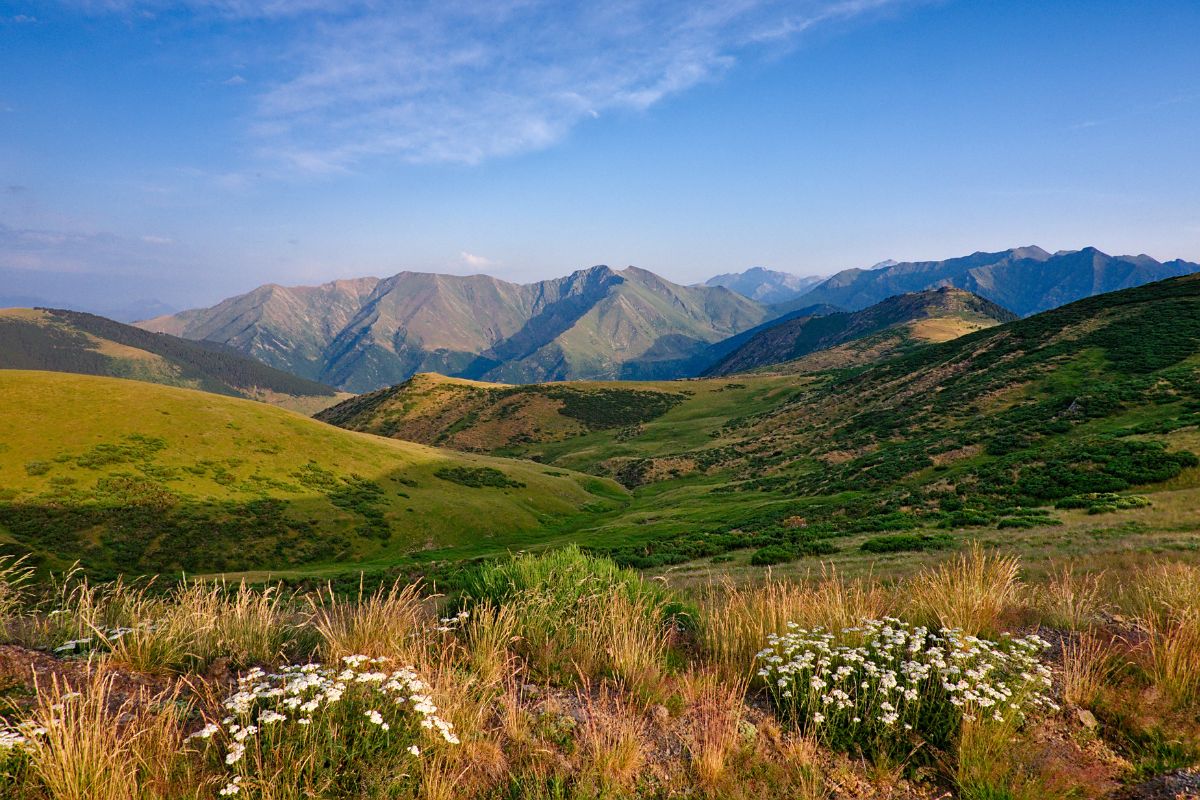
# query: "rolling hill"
1024,280
488,417
1083,421
361,335
897,323
135,477
72,341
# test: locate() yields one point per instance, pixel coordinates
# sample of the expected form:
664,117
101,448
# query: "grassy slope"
970,434
211,482
71,341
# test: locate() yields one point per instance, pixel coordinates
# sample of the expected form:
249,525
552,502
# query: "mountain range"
1024,280
364,334
599,323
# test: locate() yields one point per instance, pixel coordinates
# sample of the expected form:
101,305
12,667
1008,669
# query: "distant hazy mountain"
55,340
368,333
1025,280
880,330
765,285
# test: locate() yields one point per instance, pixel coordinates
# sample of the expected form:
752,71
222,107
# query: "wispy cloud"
473,261
462,81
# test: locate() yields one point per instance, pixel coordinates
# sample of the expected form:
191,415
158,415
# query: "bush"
477,477
780,553
892,689
907,542
774,554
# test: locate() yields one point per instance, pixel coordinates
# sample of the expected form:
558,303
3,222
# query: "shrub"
907,542
887,688
477,477
781,553
772,554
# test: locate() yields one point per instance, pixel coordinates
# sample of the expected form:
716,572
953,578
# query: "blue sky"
191,150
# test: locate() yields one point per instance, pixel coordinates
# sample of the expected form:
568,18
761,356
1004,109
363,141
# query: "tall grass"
1165,592
391,622
1070,601
971,592
1174,656
715,710
1087,664
613,746
736,621
15,576
99,746
574,614
990,766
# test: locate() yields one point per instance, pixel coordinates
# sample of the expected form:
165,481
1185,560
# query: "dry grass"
490,633
612,742
738,620
625,638
97,747
1173,648
971,592
390,623
14,577
1070,601
1087,664
991,765
714,716
1165,592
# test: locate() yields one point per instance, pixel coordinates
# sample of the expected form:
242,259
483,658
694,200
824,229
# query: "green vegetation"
478,477
137,478
906,542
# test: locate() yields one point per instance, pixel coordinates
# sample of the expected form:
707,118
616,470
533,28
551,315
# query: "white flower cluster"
299,694
886,674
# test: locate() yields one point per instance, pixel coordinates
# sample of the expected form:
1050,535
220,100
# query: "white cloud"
234,80
149,239
473,261
463,81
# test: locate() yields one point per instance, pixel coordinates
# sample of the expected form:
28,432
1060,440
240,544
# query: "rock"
1087,719
530,690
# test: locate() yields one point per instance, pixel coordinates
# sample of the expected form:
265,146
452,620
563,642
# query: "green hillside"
1086,415
134,477
1066,428
73,341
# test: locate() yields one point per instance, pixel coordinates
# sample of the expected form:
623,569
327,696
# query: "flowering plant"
320,727
886,687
